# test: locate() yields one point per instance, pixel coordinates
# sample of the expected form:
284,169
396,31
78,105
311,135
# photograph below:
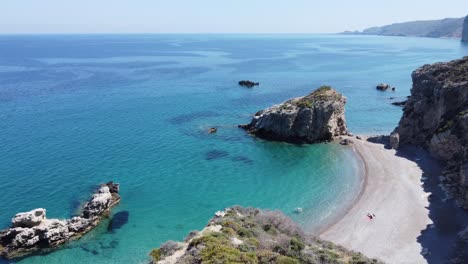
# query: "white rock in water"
29,219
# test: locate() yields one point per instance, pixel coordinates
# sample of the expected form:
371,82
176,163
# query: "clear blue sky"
216,16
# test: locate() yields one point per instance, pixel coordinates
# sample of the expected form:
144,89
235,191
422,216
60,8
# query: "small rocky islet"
248,83
33,233
317,117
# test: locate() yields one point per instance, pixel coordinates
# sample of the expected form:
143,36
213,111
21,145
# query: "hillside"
445,28
249,235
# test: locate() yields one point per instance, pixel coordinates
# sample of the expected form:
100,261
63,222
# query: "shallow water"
79,110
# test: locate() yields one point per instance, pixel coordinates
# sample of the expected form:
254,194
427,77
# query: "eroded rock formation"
32,232
319,116
436,117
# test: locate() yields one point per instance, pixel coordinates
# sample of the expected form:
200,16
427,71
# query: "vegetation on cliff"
248,235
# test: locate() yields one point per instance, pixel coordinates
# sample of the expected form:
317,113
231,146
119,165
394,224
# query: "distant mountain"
445,28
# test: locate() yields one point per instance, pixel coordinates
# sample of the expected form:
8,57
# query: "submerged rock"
249,84
402,103
32,232
316,117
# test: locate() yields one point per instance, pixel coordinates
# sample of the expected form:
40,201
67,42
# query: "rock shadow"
117,221
438,240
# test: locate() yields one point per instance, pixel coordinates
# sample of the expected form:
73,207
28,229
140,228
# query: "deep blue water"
78,110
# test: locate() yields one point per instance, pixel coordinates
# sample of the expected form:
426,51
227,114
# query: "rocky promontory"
319,116
436,118
249,235
32,232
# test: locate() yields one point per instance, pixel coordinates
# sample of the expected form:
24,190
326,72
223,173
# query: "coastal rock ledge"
32,232
317,117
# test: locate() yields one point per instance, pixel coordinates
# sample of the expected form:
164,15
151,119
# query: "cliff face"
436,117
248,235
316,117
465,30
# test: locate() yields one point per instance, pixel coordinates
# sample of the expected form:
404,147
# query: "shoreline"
392,189
363,174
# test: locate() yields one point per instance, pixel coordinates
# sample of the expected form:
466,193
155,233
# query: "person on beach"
371,216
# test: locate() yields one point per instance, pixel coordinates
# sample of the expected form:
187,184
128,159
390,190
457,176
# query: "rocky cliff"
32,232
465,30
436,117
248,235
316,117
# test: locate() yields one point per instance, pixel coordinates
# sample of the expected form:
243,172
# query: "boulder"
394,140
317,117
29,219
382,87
32,232
346,142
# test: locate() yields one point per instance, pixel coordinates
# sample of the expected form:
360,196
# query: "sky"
216,16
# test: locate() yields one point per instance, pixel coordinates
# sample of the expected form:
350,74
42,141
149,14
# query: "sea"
80,110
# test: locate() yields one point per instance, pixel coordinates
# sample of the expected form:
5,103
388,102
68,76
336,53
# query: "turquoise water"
76,111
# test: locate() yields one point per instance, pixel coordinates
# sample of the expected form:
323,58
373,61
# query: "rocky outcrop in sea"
319,116
249,84
436,117
32,232
249,235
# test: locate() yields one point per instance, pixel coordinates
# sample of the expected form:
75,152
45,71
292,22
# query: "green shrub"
216,253
286,260
155,255
296,245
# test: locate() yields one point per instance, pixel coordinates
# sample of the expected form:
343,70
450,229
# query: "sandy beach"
392,191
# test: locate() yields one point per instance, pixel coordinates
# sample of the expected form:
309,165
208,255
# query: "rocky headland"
317,117
436,118
249,235
443,28
32,232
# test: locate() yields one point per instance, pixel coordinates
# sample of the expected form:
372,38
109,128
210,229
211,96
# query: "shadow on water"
118,220
438,240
